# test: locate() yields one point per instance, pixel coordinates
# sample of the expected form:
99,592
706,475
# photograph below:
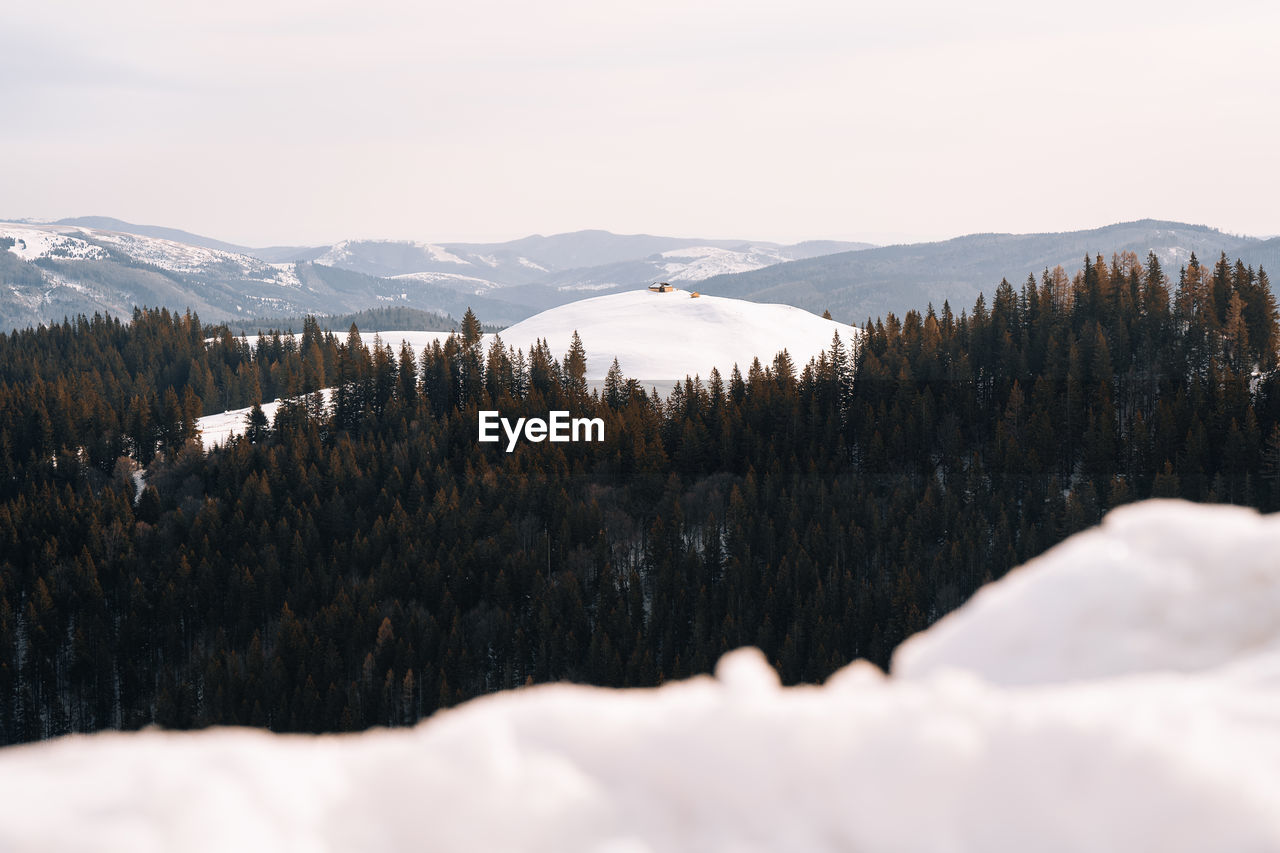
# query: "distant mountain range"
91,264
870,283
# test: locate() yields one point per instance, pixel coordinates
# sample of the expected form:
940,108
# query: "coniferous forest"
366,561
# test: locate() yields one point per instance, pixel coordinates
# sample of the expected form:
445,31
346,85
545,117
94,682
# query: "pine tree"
614,386
258,429
575,370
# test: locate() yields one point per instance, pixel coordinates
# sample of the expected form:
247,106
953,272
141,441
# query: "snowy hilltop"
667,336
1121,692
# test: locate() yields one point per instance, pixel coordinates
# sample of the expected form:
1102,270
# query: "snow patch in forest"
217,429
1173,747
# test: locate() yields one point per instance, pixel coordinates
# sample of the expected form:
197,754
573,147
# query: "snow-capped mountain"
102,264
51,271
61,242
668,336
392,258
580,261
1172,746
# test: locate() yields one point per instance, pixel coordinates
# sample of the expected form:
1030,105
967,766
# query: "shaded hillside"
1264,254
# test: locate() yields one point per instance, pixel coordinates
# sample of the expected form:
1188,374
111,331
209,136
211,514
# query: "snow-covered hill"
663,336
48,272
69,242
1174,750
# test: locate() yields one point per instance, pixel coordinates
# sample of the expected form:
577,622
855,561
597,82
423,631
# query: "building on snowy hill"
661,287
694,295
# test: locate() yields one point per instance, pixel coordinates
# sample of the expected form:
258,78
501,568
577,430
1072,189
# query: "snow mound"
1162,585
664,336
953,757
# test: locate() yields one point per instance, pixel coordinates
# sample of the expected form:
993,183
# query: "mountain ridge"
102,264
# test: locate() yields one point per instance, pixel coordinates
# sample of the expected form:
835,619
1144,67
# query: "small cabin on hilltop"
694,295
661,287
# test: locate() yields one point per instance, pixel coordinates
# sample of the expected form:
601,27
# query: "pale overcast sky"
308,122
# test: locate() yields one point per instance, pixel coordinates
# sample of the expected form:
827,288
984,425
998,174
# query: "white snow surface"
31,243
218,428
658,336
1159,754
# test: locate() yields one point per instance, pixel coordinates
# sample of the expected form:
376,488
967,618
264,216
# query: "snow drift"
1173,586
1122,692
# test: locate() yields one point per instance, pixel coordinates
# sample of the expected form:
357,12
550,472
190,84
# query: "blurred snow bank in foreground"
1122,692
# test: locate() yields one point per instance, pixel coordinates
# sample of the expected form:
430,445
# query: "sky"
309,122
